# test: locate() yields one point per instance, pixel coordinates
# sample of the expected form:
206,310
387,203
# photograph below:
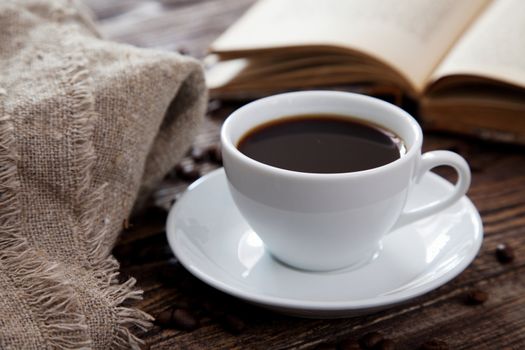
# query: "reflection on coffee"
321,143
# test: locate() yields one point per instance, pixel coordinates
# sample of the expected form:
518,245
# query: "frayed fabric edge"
50,298
88,205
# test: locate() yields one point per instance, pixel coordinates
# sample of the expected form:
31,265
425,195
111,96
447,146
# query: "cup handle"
428,161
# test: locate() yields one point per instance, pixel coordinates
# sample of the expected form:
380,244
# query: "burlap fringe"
49,297
88,205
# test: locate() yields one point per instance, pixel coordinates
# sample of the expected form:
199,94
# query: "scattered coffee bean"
164,318
233,324
174,172
178,318
188,172
348,344
183,319
214,105
125,224
179,169
476,297
214,153
193,175
434,344
504,253
385,344
198,154
369,340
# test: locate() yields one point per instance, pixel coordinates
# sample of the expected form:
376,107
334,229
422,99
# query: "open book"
462,60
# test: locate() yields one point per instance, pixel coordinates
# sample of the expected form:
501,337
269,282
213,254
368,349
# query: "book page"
494,47
411,36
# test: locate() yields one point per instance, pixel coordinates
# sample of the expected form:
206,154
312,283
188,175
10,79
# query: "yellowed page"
493,47
411,36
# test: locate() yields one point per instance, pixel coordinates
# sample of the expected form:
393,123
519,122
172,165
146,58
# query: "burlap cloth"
83,124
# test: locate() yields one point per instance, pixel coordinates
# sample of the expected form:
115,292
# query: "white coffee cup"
322,222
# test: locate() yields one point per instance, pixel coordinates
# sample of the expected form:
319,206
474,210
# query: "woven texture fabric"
87,126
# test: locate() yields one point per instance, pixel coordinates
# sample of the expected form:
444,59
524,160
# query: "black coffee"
321,144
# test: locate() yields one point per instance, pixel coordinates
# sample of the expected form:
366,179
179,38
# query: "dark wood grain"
498,191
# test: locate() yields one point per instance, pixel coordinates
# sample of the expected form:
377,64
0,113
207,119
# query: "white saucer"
211,239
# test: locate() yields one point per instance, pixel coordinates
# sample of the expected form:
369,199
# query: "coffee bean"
178,318
434,344
233,324
198,154
183,319
185,169
188,172
385,344
369,340
476,297
164,318
174,172
504,253
193,175
348,344
214,153
214,105
179,169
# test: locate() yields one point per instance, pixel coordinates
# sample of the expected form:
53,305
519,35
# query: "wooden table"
498,191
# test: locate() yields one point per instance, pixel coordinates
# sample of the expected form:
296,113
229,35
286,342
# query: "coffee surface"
321,144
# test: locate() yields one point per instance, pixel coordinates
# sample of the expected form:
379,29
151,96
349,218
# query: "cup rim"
228,146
